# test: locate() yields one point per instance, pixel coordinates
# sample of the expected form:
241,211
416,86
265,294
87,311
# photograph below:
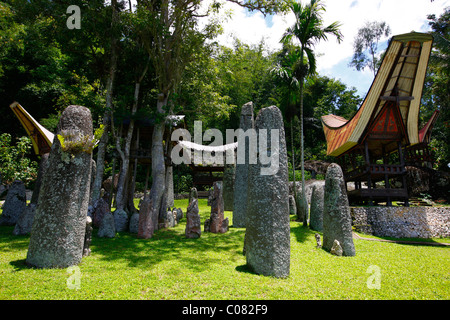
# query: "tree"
436,94
365,45
308,29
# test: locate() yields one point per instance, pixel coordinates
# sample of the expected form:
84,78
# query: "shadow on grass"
301,232
170,245
10,242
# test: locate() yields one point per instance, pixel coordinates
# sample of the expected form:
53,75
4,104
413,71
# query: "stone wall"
402,222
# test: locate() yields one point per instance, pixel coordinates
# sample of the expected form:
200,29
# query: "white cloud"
402,16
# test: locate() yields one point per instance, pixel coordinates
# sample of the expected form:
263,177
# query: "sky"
402,16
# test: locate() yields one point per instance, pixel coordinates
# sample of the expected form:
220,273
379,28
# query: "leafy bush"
14,163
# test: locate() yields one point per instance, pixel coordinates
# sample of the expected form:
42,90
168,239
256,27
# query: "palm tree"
308,30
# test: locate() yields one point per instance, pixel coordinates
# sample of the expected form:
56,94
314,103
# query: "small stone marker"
337,222
292,205
267,237
15,203
336,249
217,209
193,226
59,226
107,227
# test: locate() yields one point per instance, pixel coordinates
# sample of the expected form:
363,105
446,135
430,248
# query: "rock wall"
402,222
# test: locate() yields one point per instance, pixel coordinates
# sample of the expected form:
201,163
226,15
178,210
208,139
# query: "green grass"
169,266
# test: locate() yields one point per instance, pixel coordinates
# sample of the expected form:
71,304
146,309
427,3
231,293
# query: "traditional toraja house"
372,145
41,138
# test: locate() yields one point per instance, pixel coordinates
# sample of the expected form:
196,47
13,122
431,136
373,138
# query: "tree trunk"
151,206
302,156
121,200
293,158
97,185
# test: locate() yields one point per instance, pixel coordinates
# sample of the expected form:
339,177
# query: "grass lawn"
169,266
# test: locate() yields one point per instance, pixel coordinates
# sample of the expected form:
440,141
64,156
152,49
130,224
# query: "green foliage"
74,143
14,161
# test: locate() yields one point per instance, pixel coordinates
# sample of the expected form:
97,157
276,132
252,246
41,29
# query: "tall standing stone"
59,226
267,237
169,186
337,222
241,175
15,203
316,210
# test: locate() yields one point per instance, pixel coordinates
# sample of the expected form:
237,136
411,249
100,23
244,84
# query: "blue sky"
402,16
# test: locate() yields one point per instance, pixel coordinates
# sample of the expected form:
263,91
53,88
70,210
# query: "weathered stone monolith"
228,186
193,194
241,173
267,237
134,223
59,226
217,209
292,205
193,226
107,227
15,203
316,210
337,222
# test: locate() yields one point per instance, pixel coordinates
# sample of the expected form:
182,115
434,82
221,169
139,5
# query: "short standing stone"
217,208
318,242
87,237
99,208
179,214
242,167
302,207
15,203
337,223
193,194
25,222
336,249
193,226
134,223
292,205
59,226
316,210
267,237
107,227
121,220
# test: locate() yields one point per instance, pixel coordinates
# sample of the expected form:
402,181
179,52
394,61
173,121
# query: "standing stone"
316,210
25,222
193,194
99,208
134,223
121,220
336,249
318,242
337,222
217,208
302,207
228,186
107,227
87,237
169,186
193,226
179,214
59,226
15,203
292,205
241,175
267,237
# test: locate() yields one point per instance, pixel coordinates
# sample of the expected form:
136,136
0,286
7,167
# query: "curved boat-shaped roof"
400,78
41,138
